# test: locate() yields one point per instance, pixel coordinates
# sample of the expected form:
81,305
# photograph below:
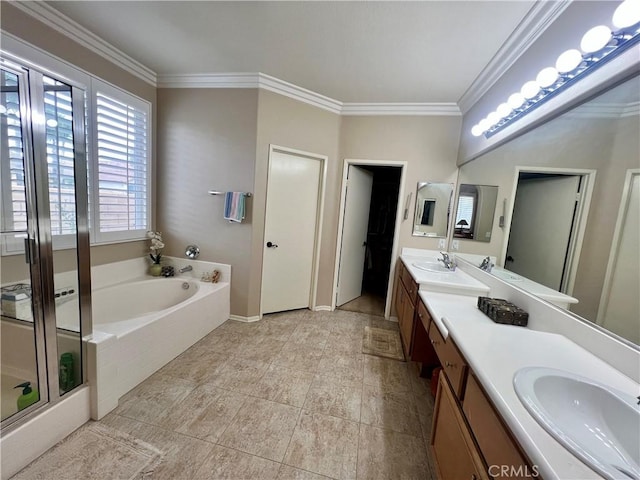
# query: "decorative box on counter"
503,311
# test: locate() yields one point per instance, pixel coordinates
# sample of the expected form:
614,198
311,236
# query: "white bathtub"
142,324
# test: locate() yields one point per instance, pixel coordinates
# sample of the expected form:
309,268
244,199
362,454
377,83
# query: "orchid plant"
156,246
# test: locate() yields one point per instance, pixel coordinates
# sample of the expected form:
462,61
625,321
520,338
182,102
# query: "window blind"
465,210
122,164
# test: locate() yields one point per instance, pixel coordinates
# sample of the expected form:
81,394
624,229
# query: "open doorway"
367,237
547,225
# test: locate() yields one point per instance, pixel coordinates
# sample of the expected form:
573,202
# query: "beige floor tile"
239,374
421,387
344,342
387,374
264,349
310,334
299,357
329,397
261,428
424,407
149,400
344,367
366,303
384,454
392,410
348,322
226,343
182,455
290,473
276,330
196,365
205,413
226,463
284,385
325,445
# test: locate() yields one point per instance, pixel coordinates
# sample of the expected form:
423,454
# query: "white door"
290,231
354,234
541,227
620,314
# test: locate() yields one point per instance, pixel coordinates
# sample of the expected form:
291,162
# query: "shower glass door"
45,265
23,366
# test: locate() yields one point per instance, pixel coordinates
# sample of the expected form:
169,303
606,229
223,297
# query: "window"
118,134
120,185
465,212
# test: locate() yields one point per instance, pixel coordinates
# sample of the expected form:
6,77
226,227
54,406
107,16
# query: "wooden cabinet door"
454,451
405,322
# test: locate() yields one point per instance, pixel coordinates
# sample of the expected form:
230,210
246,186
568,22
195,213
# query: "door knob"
271,245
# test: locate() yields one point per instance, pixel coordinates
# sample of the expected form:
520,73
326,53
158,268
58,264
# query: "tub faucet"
449,264
188,268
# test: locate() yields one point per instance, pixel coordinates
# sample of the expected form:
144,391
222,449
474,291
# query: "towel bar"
216,192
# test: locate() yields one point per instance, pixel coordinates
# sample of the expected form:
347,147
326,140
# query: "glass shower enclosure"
45,277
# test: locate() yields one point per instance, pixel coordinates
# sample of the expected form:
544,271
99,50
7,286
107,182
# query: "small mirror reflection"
433,204
475,212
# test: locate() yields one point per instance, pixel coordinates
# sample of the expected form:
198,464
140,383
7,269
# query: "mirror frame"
415,232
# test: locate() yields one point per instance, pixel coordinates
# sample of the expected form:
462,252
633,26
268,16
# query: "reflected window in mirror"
475,212
433,206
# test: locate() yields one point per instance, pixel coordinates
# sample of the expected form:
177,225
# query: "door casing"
396,233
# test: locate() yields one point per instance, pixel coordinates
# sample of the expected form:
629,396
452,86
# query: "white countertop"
462,282
535,288
495,352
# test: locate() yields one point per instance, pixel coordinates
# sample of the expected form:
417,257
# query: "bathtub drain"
185,285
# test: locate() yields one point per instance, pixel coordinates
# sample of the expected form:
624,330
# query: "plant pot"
155,269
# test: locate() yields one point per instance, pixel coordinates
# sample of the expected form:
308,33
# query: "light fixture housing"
600,45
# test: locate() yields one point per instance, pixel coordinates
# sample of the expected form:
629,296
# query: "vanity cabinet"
469,439
413,319
454,450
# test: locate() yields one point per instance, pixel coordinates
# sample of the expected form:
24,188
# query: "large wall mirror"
433,204
570,188
475,209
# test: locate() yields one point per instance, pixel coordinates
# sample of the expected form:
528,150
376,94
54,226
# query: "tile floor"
290,397
366,303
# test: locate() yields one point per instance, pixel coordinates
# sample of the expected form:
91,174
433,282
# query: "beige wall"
429,145
16,22
207,140
607,145
288,123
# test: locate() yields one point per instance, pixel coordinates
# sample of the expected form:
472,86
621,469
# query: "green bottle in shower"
29,395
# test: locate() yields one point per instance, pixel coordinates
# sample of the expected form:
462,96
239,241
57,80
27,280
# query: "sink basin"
598,424
434,267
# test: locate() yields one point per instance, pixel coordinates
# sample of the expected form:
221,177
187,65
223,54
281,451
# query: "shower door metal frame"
39,245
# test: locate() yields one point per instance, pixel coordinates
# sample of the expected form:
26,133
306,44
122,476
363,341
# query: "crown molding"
71,29
606,110
209,80
423,109
534,23
290,90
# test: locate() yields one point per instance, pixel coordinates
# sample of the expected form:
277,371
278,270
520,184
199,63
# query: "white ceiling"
392,51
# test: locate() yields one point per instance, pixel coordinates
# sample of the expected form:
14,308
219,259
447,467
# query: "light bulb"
568,60
52,123
627,14
493,118
595,39
476,131
504,110
547,77
484,124
516,100
530,89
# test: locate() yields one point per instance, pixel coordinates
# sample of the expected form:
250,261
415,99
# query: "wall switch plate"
455,245
442,244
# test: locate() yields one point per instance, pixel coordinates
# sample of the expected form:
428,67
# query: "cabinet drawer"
410,284
451,359
494,440
455,453
423,315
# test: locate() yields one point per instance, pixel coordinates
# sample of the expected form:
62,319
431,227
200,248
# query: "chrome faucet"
449,264
486,265
188,268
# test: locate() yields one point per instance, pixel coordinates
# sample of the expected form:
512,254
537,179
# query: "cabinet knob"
473,476
449,364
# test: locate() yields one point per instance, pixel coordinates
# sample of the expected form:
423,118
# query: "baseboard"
239,318
393,319
322,308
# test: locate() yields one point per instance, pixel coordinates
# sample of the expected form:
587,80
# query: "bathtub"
141,324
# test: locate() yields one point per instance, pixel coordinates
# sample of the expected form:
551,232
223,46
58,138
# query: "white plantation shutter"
465,210
122,164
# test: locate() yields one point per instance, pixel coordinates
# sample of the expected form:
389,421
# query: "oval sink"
598,424
434,267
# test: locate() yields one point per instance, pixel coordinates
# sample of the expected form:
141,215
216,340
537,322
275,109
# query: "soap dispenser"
29,395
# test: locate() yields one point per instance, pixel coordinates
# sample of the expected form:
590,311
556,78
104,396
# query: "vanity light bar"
599,45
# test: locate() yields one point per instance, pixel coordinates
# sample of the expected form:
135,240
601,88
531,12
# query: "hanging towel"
234,206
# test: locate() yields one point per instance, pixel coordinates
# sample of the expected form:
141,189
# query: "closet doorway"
368,231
